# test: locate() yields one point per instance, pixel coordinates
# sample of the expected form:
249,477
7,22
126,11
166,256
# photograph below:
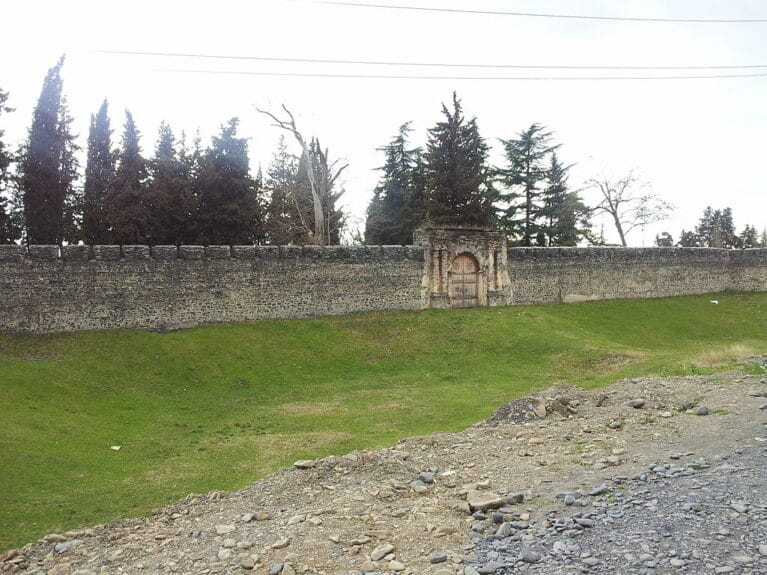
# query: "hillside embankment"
658,475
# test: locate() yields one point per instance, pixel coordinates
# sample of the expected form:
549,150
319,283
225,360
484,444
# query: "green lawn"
218,407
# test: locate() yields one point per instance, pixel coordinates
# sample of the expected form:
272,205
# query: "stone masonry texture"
51,289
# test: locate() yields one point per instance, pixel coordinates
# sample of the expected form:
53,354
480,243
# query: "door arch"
464,281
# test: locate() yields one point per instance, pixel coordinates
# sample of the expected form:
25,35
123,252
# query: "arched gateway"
463,267
463,281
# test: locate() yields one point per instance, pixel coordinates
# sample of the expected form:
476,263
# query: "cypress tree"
99,176
127,204
457,174
9,228
171,193
230,210
526,171
48,166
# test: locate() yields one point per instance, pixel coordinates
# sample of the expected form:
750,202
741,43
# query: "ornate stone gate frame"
464,267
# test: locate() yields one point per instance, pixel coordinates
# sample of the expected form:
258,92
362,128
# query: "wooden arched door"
464,281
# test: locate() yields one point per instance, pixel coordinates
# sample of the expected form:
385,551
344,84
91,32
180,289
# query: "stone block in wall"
335,253
44,252
191,252
76,253
291,252
164,252
315,252
416,253
106,253
363,253
394,253
218,252
244,252
268,252
12,253
136,252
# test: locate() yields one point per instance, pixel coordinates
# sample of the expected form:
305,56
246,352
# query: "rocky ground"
648,475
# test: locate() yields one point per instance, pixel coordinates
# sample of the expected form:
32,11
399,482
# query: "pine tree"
524,176
727,229
283,225
229,210
716,229
10,231
564,216
48,167
171,190
457,174
191,160
749,238
689,240
763,238
127,208
99,176
394,210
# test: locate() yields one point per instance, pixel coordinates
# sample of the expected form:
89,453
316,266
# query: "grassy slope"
217,407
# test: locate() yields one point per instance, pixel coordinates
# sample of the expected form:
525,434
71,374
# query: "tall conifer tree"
395,209
230,209
527,158
283,220
565,218
171,190
457,174
9,228
127,204
99,176
48,167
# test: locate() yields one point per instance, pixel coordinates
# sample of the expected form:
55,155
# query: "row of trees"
451,182
183,194
716,229
187,194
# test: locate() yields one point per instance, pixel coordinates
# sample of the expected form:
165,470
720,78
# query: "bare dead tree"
627,201
320,183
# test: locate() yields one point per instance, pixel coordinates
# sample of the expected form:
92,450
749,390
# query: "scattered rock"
305,464
438,557
636,403
483,500
65,546
381,551
529,556
225,529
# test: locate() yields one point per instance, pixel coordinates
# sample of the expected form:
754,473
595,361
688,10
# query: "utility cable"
541,15
404,63
471,78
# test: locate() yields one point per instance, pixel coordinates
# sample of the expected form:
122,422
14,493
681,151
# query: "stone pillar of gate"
444,247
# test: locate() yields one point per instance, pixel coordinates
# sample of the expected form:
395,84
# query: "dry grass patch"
305,408
717,357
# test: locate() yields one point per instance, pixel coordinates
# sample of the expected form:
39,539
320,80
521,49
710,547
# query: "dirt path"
407,509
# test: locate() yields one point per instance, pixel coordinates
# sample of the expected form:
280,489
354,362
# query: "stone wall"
100,287
46,288
551,275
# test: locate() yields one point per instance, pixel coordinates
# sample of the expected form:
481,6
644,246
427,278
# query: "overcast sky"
698,142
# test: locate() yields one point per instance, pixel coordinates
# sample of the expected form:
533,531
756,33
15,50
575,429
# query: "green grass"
218,407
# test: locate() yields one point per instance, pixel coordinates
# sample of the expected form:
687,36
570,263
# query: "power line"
424,64
542,15
471,78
